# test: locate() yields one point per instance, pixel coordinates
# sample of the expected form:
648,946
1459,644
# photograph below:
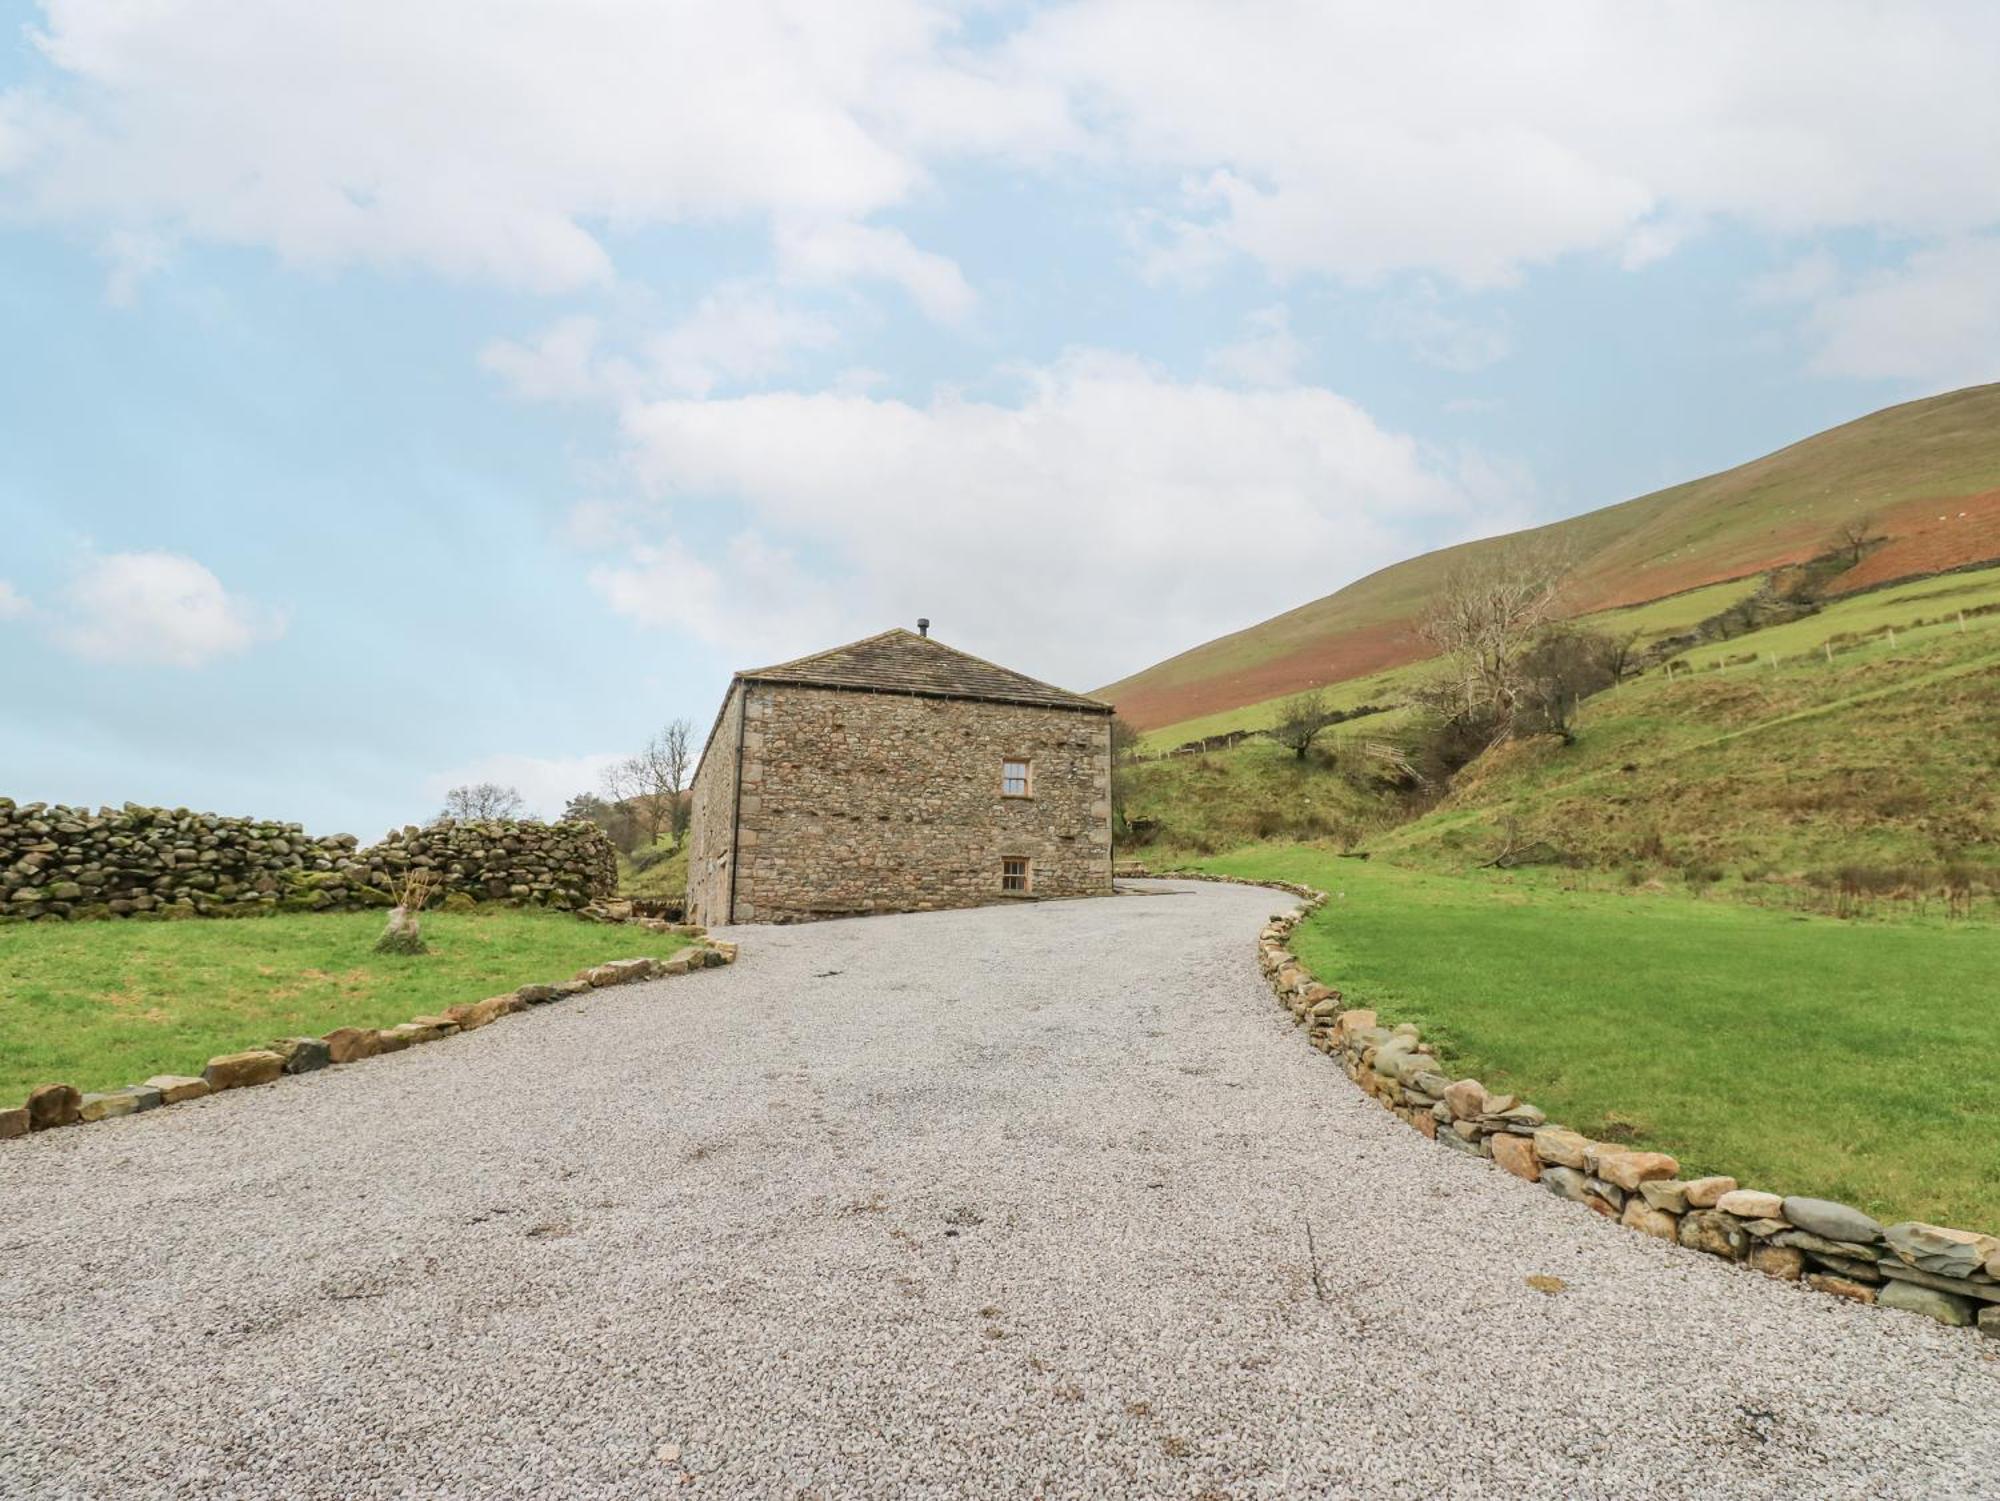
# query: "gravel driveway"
1011,1202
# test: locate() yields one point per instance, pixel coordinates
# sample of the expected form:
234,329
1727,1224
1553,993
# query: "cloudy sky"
399,392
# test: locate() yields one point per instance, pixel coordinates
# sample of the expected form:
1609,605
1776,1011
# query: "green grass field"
1917,612
1857,1061
101,1004
1677,612
1389,687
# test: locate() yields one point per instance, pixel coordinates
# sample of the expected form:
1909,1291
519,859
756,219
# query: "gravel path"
1010,1202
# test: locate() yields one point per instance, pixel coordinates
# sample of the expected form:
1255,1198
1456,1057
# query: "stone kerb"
1946,1274
53,1105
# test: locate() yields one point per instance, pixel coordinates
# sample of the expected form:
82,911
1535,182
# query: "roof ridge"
827,651
899,660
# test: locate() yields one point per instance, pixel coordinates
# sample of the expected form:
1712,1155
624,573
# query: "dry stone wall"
59,863
1946,1274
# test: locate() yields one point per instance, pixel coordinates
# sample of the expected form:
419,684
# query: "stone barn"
897,774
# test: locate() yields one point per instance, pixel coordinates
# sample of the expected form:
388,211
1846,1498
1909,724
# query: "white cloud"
1067,534
754,600
563,364
1806,279
1269,355
157,608
1351,141
442,136
1935,319
1472,140
13,604
823,253
739,333
1438,337
544,782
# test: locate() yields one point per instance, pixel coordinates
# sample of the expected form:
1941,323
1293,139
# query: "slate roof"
900,661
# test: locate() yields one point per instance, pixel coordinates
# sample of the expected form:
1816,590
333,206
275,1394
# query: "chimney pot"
923,626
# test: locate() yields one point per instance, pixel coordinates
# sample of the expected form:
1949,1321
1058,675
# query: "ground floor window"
1014,873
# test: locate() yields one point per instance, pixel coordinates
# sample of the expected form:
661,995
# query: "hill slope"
1850,756
1926,472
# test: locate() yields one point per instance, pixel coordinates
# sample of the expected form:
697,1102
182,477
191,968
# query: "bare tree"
1851,539
653,784
1301,721
481,800
1487,615
673,750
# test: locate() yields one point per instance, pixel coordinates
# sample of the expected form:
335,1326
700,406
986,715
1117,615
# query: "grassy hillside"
1927,472
1760,768
664,878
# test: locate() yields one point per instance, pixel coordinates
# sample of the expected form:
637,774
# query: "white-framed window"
1016,874
1014,778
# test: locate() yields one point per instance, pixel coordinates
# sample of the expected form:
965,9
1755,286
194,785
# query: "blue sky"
394,395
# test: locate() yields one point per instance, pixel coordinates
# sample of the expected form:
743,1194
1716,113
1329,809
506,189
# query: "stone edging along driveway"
1946,1274
52,1105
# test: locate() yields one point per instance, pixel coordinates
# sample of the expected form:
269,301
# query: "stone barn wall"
856,801
712,820
60,863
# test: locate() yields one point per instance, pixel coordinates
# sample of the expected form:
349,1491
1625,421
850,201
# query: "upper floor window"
1013,778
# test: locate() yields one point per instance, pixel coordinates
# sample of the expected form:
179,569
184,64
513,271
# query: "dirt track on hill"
1044,1200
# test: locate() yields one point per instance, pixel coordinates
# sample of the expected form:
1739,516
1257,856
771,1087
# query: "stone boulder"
1946,1308
303,1055
1669,1194
116,1102
1564,1183
1939,1249
53,1105
351,1044
1750,1204
1717,1233
1824,1217
1517,1155
1781,1262
1563,1148
1706,1193
1643,1217
1629,1169
1467,1099
242,1070
174,1088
